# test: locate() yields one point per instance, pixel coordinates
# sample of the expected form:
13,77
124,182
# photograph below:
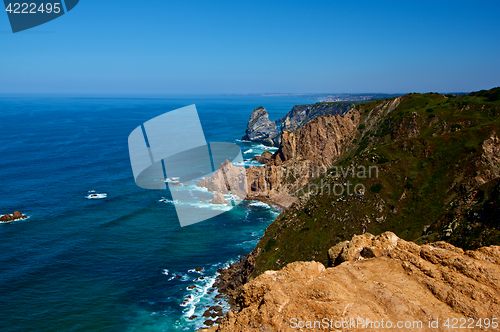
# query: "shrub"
362,126
270,244
376,188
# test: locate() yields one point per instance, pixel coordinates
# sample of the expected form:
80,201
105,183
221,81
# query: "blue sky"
205,47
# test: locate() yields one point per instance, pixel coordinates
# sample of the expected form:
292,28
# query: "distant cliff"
302,114
261,129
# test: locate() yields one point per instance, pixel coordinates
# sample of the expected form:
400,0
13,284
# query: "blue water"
110,264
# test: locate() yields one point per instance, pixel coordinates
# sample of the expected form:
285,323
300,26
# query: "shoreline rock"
12,217
264,157
218,199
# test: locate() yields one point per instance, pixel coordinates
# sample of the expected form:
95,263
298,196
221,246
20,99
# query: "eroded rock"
381,277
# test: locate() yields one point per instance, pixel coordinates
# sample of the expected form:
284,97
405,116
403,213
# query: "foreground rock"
12,217
261,129
375,278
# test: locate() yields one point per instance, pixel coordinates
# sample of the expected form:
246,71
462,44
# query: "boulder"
264,157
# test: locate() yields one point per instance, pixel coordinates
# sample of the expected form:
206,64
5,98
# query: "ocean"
121,263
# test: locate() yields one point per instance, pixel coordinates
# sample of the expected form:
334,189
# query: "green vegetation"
376,188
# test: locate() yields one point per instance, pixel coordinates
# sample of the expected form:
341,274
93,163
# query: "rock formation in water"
218,199
264,157
227,178
374,278
261,129
12,217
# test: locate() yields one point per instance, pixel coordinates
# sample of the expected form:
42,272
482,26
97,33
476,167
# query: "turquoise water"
120,263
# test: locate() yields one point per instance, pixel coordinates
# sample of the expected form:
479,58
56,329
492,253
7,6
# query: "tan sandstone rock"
381,278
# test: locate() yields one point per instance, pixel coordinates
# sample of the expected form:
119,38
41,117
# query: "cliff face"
436,178
322,140
261,129
375,278
302,114
302,155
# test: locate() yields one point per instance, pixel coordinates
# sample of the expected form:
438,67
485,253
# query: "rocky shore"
12,217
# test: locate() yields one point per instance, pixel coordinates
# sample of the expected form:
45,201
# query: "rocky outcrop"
261,129
301,114
227,178
12,217
375,278
218,199
264,157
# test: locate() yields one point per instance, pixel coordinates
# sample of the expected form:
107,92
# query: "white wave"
194,271
263,147
170,180
260,204
248,151
93,195
164,200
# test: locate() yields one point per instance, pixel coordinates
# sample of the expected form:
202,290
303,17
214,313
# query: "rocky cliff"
436,178
261,129
302,114
374,279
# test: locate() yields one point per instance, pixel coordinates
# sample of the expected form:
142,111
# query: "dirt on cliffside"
375,278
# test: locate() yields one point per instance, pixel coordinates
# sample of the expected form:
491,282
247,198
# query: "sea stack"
261,129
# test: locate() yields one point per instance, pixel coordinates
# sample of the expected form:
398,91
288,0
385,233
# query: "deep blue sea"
111,264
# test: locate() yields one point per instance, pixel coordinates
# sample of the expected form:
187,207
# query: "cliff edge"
374,278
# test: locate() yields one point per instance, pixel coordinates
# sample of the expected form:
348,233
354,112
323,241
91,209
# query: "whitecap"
260,204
